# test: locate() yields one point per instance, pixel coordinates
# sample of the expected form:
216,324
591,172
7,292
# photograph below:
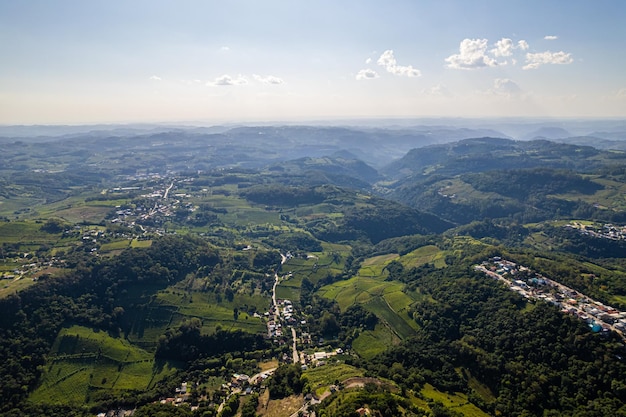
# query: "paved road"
296,355
168,190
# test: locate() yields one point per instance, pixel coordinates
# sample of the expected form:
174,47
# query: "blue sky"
72,62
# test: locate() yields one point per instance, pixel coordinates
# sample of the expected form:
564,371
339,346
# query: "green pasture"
479,388
76,340
358,290
294,281
83,360
245,216
182,305
322,377
194,302
457,401
136,243
372,342
26,232
310,212
611,196
383,298
383,310
424,255
22,202
244,322
288,293
82,213
11,286
319,265
374,267
464,192
115,245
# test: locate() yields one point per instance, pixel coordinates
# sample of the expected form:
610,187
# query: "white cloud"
439,90
228,80
155,78
270,79
504,47
366,74
505,87
368,61
535,60
225,49
621,93
551,37
472,54
388,61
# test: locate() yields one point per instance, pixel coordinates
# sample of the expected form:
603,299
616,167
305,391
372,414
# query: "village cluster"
605,231
534,286
280,316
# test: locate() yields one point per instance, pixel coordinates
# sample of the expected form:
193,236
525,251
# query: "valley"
284,274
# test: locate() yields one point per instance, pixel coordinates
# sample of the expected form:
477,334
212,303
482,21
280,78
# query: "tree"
285,381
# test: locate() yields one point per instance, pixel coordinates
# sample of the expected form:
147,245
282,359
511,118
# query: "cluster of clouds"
501,87
228,80
388,61
476,53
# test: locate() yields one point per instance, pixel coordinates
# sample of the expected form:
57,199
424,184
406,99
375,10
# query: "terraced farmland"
385,299
83,361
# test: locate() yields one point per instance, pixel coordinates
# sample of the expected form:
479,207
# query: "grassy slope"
83,361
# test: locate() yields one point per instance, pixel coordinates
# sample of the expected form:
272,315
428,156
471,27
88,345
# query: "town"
534,286
604,231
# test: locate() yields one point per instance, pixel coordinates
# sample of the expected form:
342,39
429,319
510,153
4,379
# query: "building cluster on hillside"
534,286
278,314
318,358
154,213
29,265
605,231
239,384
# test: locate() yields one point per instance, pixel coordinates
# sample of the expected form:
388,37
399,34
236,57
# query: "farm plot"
321,377
83,360
383,298
372,342
424,255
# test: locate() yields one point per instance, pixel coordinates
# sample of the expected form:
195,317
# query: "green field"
83,361
383,298
424,255
136,243
213,313
25,233
321,377
384,311
457,401
318,265
114,246
11,286
83,213
372,342
374,267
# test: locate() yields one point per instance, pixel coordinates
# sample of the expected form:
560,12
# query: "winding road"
295,353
